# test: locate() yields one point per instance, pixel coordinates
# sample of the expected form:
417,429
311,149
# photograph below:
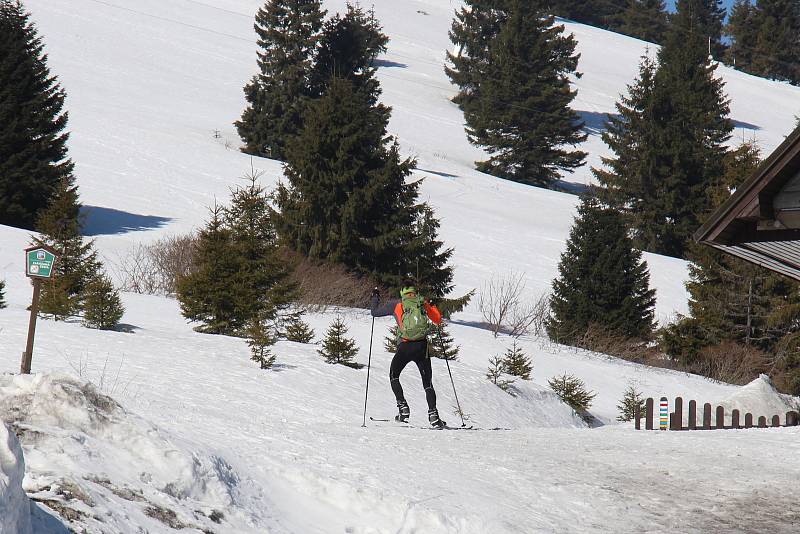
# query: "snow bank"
759,397
15,515
89,457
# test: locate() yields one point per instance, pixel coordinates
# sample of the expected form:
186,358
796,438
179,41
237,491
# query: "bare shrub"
503,309
155,268
539,312
598,338
731,362
323,285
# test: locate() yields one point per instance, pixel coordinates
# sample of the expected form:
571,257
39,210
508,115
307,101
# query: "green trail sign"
39,262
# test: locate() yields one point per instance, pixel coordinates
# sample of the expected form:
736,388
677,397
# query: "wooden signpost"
39,263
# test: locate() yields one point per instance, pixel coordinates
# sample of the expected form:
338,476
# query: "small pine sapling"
260,339
516,363
337,348
392,339
630,401
2,294
495,374
573,391
102,307
441,344
299,331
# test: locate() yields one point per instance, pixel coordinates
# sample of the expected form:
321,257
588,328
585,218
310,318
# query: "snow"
760,398
15,514
83,449
130,431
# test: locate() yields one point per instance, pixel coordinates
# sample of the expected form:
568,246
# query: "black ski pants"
417,352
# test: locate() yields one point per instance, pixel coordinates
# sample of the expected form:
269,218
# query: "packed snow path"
298,460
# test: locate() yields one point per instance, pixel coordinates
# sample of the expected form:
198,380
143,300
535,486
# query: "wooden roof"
751,226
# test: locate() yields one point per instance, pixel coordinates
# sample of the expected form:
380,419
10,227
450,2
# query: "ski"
408,425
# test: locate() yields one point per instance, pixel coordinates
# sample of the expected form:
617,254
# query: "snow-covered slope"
15,514
149,83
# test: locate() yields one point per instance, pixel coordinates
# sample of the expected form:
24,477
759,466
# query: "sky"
671,4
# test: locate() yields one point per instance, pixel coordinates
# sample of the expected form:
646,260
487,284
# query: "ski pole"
369,364
447,361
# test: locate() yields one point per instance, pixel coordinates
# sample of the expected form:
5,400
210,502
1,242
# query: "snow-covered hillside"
199,429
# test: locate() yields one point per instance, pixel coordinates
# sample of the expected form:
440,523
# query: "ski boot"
405,411
433,417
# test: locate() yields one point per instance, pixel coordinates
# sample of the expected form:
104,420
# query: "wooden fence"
675,422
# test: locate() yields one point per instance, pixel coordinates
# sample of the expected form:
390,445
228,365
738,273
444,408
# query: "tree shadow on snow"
745,125
594,122
126,328
280,367
389,64
439,173
105,221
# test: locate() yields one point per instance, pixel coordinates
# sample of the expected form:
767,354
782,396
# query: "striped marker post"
663,418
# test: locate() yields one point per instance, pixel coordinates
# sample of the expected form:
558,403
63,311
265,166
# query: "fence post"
648,416
735,419
776,420
637,417
706,416
720,417
692,415
791,418
762,422
748,420
663,414
676,422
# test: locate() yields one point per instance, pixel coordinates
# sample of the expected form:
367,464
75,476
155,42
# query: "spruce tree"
239,274
260,339
495,374
626,178
288,33
602,280
348,47
392,339
742,29
731,299
298,331
441,344
33,140
669,141
516,363
347,200
707,19
572,391
645,19
522,116
601,13
209,293
337,347
777,51
77,264
433,275
631,400
264,288
691,126
475,27
102,307
2,294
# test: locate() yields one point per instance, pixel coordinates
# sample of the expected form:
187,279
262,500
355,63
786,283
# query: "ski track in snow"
148,83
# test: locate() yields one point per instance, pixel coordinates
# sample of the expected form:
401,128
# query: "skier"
411,312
